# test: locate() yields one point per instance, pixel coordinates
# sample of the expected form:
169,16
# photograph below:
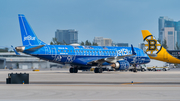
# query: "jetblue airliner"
79,57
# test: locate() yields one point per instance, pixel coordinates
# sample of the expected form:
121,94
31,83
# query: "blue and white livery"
79,57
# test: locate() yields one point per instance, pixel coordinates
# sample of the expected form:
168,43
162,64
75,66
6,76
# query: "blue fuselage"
82,56
85,55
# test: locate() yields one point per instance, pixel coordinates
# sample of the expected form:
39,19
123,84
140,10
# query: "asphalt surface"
60,85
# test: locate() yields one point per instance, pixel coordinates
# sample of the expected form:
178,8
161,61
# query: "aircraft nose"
20,48
148,59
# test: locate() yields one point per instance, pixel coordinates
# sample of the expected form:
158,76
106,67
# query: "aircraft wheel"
154,69
135,70
142,70
100,70
164,69
71,70
96,70
75,70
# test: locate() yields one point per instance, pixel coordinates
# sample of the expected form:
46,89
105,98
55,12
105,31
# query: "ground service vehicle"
154,68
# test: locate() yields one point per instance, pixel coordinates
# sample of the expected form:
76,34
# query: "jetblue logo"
123,52
29,38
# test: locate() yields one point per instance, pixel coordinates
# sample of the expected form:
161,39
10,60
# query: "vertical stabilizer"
28,36
152,46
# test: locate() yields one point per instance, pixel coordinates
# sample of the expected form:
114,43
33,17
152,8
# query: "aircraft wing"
114,59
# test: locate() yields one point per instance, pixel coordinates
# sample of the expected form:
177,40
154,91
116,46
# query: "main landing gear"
73,70
98,69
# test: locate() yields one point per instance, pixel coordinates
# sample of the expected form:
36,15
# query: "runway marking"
121,85
131,83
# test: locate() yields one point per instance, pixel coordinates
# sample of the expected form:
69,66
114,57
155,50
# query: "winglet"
133,52
15,50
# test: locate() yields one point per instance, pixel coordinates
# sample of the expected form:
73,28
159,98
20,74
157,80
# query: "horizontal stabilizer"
35,48
15,50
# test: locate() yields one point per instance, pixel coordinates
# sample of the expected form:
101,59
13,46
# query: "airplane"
79,57
156,51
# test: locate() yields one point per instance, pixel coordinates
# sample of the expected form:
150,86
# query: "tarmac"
60,85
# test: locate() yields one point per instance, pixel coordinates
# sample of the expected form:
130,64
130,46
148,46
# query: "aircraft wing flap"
85,61
115,59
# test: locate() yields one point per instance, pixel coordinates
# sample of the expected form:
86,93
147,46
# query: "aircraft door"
47,50
53,51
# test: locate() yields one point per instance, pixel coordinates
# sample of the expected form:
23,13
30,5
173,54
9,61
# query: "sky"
120,20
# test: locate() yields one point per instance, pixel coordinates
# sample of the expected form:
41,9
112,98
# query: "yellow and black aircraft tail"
155,50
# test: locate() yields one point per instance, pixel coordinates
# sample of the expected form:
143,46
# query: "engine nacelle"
121,65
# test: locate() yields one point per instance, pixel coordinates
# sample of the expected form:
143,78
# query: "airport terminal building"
9,60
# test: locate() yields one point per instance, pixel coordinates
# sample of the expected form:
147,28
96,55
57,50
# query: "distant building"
113,44
102,41
169,30
141,46
68,36
23,61
122,44
169,34
99,41
107,42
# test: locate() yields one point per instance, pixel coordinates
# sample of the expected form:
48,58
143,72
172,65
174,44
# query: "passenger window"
87,51
84,51
76,50
93,51
64,50
67,50
90,51
70,50
58,50
79,51
61,50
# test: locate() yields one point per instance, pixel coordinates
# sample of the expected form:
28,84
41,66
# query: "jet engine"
121,65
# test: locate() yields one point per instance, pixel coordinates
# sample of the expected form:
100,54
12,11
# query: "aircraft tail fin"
152,46
28,36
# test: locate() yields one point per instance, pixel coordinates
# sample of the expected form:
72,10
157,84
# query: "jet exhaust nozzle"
20,48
